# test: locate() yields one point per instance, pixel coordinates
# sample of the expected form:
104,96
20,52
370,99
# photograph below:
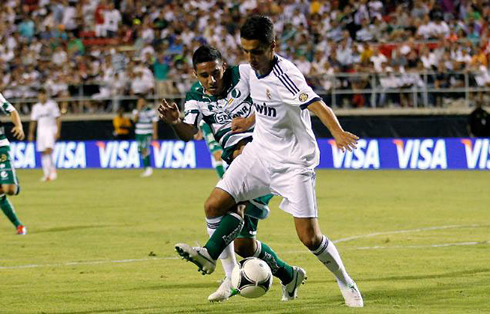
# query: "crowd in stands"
102,49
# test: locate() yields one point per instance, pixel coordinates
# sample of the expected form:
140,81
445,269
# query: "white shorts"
45,139
252,175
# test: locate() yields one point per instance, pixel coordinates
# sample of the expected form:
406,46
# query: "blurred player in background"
9,185
280,159
46,116
221,99
146,130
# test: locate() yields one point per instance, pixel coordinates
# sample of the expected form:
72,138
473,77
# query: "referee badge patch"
303,97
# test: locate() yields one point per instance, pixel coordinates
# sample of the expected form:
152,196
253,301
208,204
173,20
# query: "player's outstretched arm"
17,130
32,128
170,114
345,140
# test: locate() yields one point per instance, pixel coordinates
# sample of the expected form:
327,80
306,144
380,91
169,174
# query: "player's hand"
57,136
169,113
239,125
18,133
346,141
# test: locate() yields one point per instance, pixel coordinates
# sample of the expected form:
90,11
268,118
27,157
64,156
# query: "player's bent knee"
218,204
10,189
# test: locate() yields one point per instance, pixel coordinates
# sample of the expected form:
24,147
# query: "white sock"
227,257
52,165
327,254
45,160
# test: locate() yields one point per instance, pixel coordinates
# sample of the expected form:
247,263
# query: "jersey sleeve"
293,88
56,110
34,113
244,70
192,112
7,108
154,117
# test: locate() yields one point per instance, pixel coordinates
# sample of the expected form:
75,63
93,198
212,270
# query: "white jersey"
282,123
45,115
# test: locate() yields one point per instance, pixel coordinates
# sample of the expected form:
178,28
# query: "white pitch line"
403,231
88,263
288,252
420,246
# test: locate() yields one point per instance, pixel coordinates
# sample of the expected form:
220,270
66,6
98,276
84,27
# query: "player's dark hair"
205,53
42,90
258,27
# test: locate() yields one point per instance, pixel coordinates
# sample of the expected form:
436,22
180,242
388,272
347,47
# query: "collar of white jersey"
274,62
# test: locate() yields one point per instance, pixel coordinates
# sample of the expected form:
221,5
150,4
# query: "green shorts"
249,229
144,141
7,170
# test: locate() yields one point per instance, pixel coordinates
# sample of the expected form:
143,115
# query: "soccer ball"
252,277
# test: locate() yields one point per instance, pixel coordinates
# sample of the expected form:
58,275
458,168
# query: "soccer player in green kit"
9,184
221,99
146,130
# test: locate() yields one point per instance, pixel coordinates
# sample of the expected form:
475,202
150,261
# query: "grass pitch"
101,241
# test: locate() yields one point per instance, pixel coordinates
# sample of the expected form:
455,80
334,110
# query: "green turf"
84,222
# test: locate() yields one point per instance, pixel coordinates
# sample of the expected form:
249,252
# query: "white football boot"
148,172
352,295
224,292
198,255
290,290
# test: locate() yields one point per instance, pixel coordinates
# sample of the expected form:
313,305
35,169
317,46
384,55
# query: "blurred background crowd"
92,51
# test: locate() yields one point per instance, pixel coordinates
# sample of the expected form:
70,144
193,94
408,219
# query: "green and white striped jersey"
146,117
6,108
218,112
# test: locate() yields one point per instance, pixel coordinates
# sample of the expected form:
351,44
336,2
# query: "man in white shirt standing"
46,116
280,159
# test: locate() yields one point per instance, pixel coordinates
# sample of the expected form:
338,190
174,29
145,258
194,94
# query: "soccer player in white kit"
46,115
282,156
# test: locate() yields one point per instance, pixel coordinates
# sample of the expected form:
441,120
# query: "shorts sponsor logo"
4,174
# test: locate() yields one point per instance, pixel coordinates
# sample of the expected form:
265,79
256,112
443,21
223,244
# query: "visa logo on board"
66,155
174,154
70,155
23,154
119,155
366,156
421,154
477,153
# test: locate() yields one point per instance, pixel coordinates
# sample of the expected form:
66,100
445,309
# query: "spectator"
479,122
122,126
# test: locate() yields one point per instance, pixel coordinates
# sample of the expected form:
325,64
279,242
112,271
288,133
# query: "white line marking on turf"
88,263
403,231
370,235
420,246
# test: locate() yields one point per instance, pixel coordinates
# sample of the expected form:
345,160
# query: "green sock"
228,229
146,161
9,211
279,268
220,169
